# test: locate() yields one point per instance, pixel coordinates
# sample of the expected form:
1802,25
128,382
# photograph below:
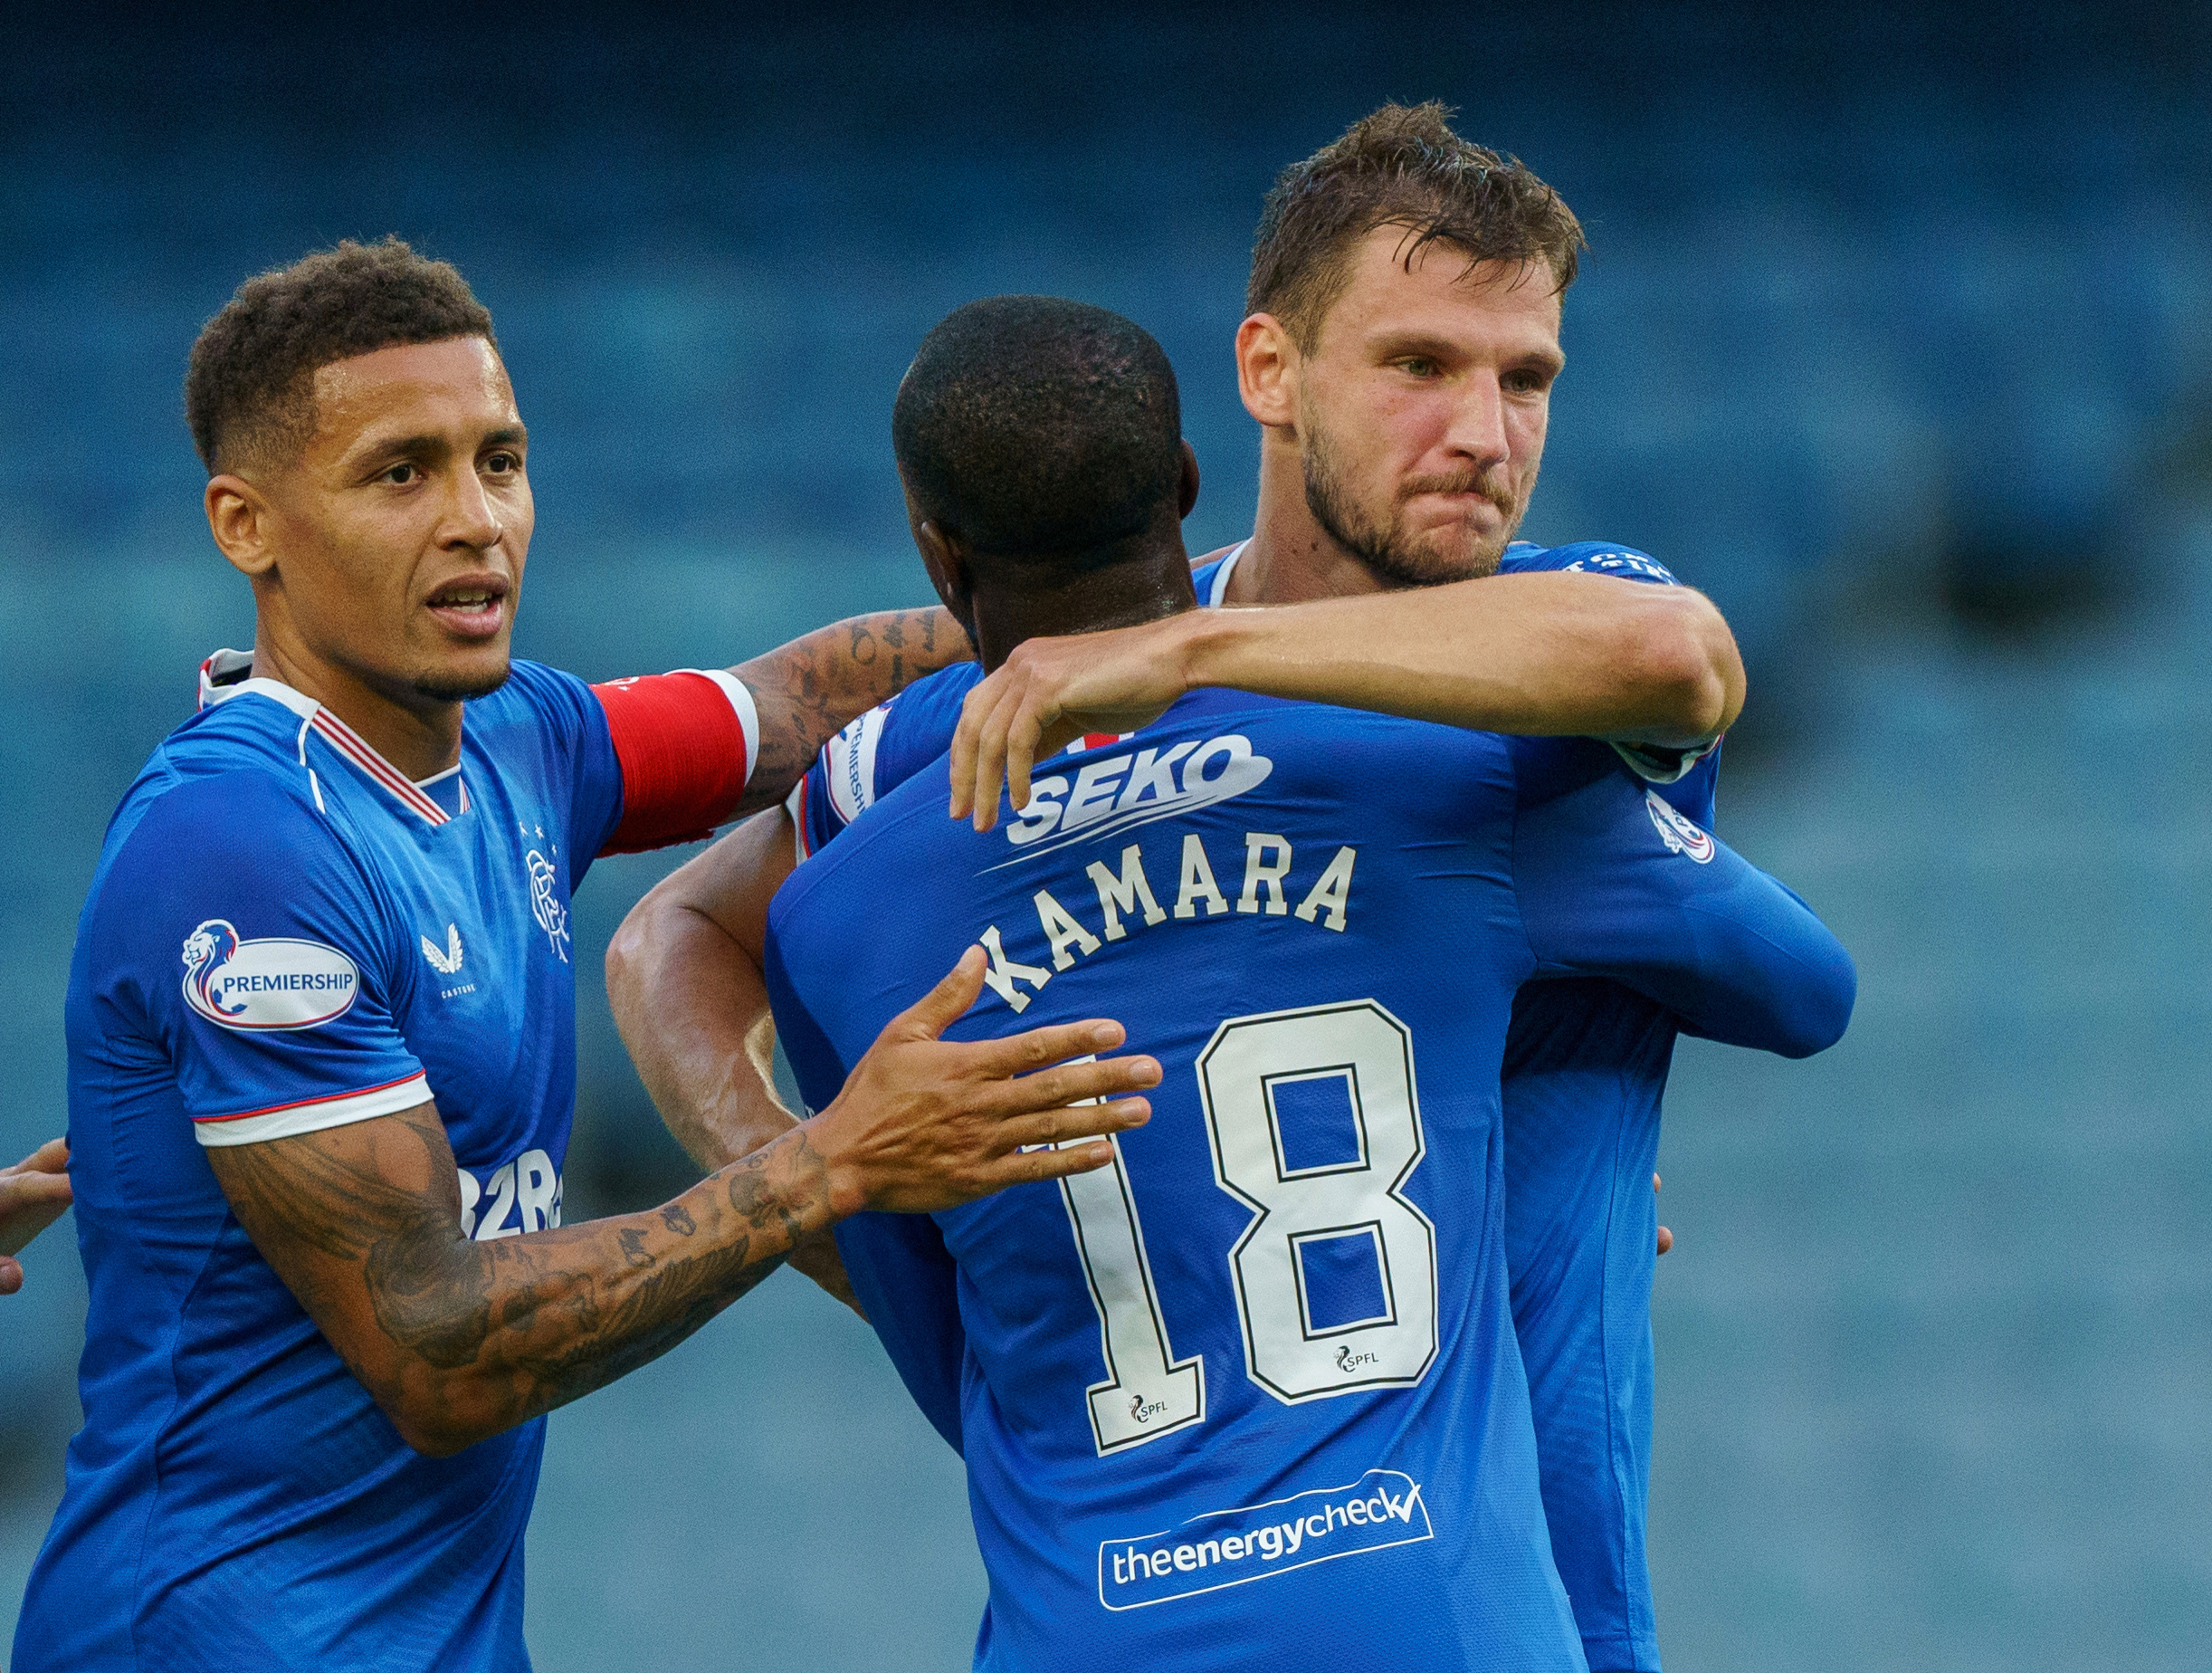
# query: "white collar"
220,681
1220,588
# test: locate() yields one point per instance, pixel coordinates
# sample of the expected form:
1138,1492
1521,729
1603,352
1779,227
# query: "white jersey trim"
848,765
741,700
795,804
1220,588
338,1109
342,738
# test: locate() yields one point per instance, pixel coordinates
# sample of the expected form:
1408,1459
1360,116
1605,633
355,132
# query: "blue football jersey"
1586,1069
284,934
1585,1074
1252,1396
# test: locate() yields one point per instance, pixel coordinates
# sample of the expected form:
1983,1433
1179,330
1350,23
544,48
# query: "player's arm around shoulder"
692,749
459,1340
1613,881
809,690
1543,653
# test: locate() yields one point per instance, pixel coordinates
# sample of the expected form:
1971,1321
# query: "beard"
1396,556
458,687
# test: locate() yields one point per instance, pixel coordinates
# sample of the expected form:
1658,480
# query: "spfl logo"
275,983
1679,836
546,904
1348,1362
1144,1411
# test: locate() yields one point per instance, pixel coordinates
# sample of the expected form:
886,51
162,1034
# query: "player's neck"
1291,558
420,736
1147,588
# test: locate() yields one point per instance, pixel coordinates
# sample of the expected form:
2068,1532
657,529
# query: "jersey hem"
284,1121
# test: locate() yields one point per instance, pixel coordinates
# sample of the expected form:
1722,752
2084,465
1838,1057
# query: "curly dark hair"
1038,428
1400,166
250,390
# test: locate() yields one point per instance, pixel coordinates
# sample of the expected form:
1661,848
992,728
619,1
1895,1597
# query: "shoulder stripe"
337,1109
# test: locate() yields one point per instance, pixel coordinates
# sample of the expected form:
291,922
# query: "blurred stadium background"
1895,334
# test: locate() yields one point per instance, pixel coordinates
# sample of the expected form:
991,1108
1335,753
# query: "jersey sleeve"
686,744
899,1268
1613,881
1654,763
876,754
237,930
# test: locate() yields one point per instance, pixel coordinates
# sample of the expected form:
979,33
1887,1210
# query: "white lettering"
1061,931
1333,893
1093,798
1197,883
1234,751
1270,875
1003,972
1040,813
495,1226
1153,776
1121,894
471,1193
535,1186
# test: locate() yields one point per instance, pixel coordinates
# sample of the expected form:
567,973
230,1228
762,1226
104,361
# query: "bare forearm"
693,1011
806,691
459,1340
495,1333
1566,654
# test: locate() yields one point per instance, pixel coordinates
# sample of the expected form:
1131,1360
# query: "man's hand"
459,1340
1548,655
924,1123
33,1194
1051,692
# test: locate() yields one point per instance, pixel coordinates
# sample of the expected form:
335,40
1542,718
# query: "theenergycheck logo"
1122,792
1220,1548
1679,836
274,983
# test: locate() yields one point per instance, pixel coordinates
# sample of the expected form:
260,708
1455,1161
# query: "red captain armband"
686,742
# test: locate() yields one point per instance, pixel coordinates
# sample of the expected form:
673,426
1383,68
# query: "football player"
1310,1443
322,1033
1401,347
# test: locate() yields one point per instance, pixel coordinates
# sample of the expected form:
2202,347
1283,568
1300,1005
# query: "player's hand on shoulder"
925,1124
33,1194
1051,692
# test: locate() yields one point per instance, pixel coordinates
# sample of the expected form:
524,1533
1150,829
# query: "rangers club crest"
273,983
546,904
1679,836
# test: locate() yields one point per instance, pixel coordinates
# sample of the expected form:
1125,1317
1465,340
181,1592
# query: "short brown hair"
1401,166
249,393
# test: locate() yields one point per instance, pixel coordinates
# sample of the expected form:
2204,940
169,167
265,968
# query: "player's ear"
1267,370
949,572
238,516
1186,491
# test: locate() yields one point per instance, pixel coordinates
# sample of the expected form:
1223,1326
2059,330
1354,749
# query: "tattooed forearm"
459,1340
807,691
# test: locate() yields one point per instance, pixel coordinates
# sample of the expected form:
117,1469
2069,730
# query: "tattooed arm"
684,980
807,691
458,1341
